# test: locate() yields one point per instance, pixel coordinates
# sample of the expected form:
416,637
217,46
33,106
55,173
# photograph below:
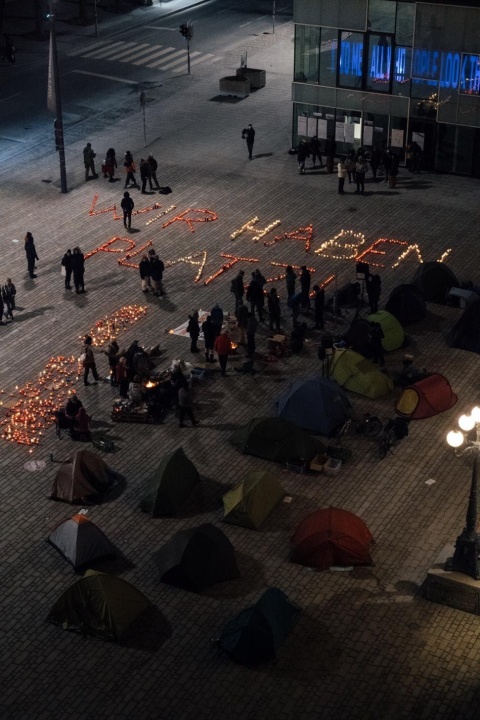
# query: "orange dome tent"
332,536
426,398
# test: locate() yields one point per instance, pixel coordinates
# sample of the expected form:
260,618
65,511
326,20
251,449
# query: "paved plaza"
366,646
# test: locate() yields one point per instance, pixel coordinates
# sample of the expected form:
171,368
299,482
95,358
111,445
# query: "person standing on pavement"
130,169
153,171
78,269
241,313
223,347
109,165
144,269
374,162
416,157
330,151
127,206
305,280
361,168
193,329
255,296
185,406
145,175
251,331
303,153
31,254
290,277
209,335
89,162
319,306
295,303
112,353
342,174
67,265
8,296
238,289
89,362
374,290
156,275
248,134
216,313
376,346
315,151
393,170
274,309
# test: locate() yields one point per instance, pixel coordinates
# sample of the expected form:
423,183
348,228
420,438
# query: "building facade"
385,72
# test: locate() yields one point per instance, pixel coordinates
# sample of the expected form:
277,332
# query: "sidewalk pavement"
366,645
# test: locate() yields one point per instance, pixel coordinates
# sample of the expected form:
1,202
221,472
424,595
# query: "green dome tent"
354,372
276,439
100,605
254,636
250,502
171,486
393,335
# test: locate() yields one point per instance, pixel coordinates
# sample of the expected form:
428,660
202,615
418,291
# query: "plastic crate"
318,462
332,466
297,465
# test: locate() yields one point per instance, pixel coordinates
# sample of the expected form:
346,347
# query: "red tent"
332,536
426,398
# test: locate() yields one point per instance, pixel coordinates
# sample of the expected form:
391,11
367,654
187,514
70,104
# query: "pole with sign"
186,30
273,17
53,97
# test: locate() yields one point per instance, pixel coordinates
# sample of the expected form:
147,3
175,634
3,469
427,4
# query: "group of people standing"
151,270
356,164
148,168
73,263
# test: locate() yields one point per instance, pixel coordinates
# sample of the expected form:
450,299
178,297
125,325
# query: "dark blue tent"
316,404
254,636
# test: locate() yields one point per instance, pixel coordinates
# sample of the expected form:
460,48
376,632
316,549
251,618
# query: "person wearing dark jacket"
216,313
1,309
251,331
109,165
315,151
31,254
156,275
209,335
112,353
67,264
303,153
89,362
295,303
127,206
241,313
290,277
238,288
153,171
144,269
8,296
330,152
72,407
89,162
374,290
185,406
376,345
305,279
255,297
193,329
248,134
319,305
130,169
145,175
78,269
274,309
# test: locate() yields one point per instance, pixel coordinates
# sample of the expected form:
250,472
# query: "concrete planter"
257,78
236,85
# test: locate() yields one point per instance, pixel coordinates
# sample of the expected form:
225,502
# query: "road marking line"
92,47
105,77
92,53
244,24
136,55
179,61
167,59
201,59
153,55
156,27
111,51
10,96
132,52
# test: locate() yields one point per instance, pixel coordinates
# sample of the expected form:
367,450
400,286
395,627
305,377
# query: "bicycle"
394,430
370,426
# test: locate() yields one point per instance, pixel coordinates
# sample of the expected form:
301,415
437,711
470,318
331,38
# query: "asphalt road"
139,52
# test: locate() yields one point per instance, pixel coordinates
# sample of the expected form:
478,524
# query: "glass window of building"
350,64
470,75
405,23
307,53
402,71
381,15
379,68
328,57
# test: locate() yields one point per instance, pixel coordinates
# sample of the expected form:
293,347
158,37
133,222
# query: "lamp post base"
449,587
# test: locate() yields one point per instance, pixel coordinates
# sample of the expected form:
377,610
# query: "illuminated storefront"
383,73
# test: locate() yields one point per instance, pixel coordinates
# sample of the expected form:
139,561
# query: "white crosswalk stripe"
156,57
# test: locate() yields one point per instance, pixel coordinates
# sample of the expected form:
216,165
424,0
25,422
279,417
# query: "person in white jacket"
342,174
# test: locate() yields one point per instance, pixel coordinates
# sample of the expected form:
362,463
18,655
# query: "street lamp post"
96,17
54,79
467,547
273,18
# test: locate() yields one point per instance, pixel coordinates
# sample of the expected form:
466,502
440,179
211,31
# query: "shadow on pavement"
148,632
251,579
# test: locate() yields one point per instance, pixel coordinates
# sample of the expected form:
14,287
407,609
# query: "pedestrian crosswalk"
156,57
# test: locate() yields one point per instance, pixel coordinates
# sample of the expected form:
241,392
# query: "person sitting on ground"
72,408
135,390
82,425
